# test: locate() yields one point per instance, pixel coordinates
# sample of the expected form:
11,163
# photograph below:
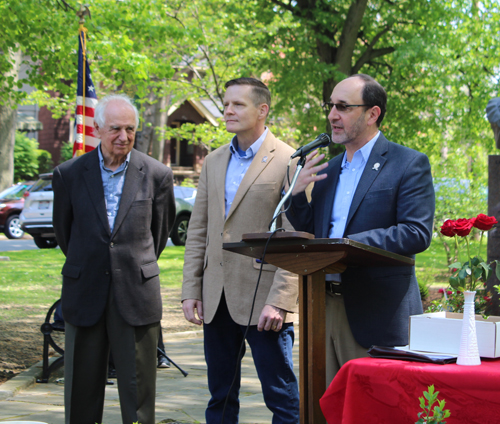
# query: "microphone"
323,140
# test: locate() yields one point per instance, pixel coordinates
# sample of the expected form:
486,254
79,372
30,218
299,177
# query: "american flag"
86,101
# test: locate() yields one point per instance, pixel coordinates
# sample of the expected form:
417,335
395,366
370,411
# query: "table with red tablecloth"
372,390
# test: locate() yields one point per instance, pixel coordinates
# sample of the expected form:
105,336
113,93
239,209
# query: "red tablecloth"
385,391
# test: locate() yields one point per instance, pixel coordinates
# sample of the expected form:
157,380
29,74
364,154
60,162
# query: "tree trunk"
161,118
8,120
144,143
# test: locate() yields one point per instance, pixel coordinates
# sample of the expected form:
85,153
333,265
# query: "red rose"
485,222
463,226
448,228
487,298
449,292
441,290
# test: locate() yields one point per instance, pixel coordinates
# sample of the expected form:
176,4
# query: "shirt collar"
101,159
252,150
365,151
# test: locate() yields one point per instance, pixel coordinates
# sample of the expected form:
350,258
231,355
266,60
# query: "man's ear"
374,114
263,110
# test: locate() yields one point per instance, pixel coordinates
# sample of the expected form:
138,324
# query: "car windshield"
42,185
14,192
185,193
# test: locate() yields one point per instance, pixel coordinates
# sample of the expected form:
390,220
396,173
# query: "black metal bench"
48,341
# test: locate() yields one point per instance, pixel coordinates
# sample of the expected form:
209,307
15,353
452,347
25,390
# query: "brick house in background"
184,158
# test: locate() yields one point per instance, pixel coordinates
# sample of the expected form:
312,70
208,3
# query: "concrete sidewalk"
178,399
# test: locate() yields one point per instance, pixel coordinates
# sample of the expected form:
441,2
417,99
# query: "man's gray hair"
103,103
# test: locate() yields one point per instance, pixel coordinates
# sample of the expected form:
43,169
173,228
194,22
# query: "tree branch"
370,53
199,88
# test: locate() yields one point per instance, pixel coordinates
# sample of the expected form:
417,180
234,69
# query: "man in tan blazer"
239,189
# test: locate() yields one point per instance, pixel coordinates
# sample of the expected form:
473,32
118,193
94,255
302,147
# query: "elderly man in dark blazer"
378,193
113,209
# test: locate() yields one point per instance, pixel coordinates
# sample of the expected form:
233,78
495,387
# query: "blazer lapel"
133,180
261,160
93,180
372,170
220,177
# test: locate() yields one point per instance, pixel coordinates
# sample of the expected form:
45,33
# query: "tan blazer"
208,270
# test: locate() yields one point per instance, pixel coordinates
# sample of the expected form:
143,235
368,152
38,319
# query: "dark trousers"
272,356
85,369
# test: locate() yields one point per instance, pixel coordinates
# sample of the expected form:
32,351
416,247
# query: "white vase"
469,352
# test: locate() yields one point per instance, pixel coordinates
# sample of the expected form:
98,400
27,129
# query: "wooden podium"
312,259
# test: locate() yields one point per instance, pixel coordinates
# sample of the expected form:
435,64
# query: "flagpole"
84,11
83,30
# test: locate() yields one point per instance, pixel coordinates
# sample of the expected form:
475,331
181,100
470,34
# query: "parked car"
184,201
36,217
11,205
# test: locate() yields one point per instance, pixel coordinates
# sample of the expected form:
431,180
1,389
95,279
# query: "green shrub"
45,163
424,290
66,151
25,158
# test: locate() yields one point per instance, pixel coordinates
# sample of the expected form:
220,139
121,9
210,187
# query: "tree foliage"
436,59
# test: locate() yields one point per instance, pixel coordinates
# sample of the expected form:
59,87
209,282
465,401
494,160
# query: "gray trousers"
86,362
341,346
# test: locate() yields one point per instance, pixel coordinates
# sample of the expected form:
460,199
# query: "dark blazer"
125,260
392,209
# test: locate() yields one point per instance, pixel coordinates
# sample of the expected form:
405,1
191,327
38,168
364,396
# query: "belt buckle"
334,286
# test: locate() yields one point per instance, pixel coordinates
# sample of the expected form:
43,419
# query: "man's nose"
333,115
123,134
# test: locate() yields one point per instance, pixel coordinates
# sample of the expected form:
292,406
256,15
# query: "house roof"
205,108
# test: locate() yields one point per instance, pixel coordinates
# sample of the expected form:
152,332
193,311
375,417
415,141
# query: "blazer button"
106,272
111,244
221,264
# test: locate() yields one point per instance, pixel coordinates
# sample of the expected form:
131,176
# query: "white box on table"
441,332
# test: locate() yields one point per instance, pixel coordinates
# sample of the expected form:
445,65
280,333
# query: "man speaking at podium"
378,193
239,189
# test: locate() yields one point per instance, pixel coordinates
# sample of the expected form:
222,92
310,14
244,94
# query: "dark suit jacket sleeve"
414,214
163,213
62,215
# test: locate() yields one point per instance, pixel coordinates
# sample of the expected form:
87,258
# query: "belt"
333,287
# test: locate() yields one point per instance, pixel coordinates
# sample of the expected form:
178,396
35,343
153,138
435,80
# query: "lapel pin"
264,159
376,166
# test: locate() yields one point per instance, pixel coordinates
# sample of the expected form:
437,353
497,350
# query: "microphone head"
325,140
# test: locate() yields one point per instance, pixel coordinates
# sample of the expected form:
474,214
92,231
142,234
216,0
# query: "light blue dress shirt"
238,165
350,174
112,182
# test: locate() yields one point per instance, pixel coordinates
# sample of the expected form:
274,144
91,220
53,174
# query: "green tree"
435,59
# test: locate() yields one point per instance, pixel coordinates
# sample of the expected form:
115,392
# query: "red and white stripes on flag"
86,101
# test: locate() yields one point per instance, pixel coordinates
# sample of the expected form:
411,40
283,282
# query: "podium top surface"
356,253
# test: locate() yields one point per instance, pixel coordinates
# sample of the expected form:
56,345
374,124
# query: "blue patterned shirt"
112,182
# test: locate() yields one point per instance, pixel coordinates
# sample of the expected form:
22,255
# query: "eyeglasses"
341,107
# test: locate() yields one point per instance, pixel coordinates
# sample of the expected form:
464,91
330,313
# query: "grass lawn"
32,279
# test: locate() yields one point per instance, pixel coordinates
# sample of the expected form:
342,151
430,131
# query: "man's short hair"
373,94
260,92
99,117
